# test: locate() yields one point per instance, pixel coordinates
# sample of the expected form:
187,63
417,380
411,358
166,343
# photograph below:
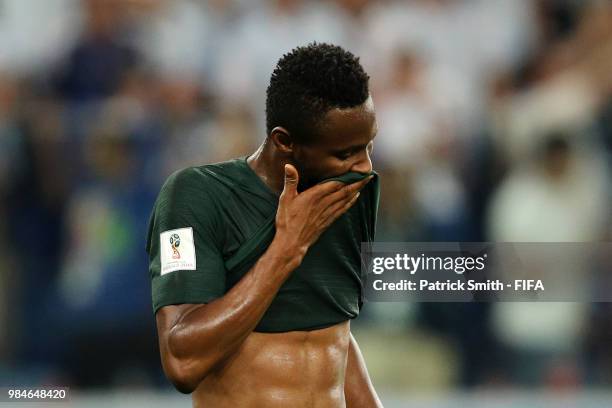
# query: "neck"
269,165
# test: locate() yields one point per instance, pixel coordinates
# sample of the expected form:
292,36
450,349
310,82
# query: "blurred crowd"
495,124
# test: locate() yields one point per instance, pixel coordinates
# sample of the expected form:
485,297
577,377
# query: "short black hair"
309,81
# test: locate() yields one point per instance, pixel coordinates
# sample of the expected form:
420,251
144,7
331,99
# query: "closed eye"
344,155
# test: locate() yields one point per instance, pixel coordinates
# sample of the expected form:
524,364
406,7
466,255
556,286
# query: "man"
255,262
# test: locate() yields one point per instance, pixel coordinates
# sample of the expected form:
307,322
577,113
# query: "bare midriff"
293,369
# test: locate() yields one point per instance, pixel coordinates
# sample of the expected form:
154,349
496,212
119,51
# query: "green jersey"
211,223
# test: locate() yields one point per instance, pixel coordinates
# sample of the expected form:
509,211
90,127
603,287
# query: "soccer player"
255,262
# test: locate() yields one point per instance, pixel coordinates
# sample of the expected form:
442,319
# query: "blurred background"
495,124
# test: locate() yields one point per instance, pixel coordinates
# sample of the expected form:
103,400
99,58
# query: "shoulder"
197,181
199,188
188,191
185,200
190,178
207,175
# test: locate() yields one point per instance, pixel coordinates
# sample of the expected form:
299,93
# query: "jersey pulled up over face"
206,217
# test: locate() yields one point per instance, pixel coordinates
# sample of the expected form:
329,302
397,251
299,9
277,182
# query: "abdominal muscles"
297,369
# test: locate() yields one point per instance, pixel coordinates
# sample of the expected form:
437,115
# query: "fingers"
345,192
291,181
324,189
333,212
339,202
330,187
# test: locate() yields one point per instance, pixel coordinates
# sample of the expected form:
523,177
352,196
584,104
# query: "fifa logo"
175,241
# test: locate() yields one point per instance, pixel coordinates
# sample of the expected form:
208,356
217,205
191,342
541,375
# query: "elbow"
185,360
184,372
184,387
179,374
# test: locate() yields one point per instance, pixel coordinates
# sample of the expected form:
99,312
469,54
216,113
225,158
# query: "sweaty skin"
210,350
297,369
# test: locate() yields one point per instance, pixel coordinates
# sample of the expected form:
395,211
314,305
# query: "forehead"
345,127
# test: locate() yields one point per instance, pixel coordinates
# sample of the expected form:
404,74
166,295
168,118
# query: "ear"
282,140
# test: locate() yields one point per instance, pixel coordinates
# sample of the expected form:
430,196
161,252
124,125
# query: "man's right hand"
302,217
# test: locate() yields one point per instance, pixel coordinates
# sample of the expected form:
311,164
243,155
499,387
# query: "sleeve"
184,243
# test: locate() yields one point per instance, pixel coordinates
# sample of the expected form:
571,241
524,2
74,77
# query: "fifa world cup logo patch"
175,242
177,251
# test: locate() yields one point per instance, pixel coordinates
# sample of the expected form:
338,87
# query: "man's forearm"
358,389
207,334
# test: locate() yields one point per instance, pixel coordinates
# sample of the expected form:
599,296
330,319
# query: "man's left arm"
358,389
